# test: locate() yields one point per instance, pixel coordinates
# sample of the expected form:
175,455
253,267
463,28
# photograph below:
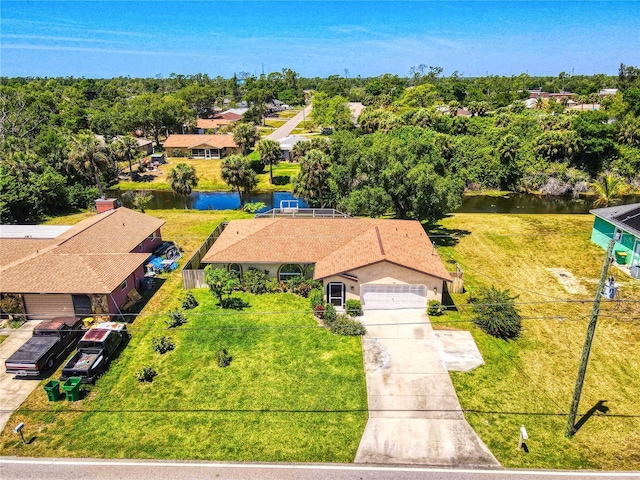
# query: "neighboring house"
624,219
384,263
201,146
144,146
287,143
557,96
607,91
215,124
87,269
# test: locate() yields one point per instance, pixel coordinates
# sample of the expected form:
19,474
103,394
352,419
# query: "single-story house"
215,124
624,219
383,263
287,143
201,146
86,269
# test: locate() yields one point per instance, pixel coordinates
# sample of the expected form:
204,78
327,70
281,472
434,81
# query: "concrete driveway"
14,392
414,413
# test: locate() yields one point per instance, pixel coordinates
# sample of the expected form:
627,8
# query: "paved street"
14,392
59,469
414,413
286,129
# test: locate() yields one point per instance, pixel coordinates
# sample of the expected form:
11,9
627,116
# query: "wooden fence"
192,274
457,286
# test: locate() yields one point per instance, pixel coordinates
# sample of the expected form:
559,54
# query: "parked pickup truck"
51,340
95,351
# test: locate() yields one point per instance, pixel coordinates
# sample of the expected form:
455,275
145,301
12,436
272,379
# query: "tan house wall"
272,268
387,273
224,152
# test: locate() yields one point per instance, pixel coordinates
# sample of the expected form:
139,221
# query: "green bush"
178,153
162,344
253,207
255,281
434,308
346,326
354,307
495,313
301,286
330,314
222,357
274,286
316,297
146,374
176,318
189,301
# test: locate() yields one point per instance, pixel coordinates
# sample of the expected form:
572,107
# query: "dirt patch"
570,283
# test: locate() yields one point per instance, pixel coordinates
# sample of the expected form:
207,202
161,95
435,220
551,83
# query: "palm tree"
299,149
88,157
237,172
127,149
608,188
182,179
245,135
312,183
270,153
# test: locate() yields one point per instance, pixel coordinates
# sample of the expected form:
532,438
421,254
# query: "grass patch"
530,381
293,391
283,174
274,122
3,338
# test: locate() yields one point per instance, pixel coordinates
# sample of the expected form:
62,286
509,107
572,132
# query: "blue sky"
147,38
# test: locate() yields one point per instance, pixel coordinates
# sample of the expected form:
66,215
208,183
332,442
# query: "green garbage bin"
72,388
53,390
621,258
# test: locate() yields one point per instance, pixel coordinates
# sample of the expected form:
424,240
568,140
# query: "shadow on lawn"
130,315
445,237
598,407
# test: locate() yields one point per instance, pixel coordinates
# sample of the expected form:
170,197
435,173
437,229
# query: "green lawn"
3,338
293,392
530,381
210,177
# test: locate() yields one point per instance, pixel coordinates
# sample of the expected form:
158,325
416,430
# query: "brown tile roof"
335,245
229,116
196,141
94,256
212,122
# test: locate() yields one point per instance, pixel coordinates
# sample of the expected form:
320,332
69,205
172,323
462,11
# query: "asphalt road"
286,129
66,469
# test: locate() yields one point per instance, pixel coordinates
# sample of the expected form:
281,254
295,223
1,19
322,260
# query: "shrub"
253,207
189,301
316,298
146,374
162,344
176,318
255,281
301,286
330,314
234,303
434,308
354,307
318,311
222,357
346,326
274,286
178,153
495,313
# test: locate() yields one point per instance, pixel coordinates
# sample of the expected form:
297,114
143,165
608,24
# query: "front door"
335,294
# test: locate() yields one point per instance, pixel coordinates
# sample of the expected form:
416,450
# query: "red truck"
51,340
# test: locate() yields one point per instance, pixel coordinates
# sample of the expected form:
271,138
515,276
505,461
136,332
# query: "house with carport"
386,264
90,268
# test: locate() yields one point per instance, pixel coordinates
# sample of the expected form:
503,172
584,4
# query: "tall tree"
157,114
245,135
87,156
126,148
312,183
237,173
270,153
182,180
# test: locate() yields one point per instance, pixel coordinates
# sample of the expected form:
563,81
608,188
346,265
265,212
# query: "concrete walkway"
286,129
414,413
14,392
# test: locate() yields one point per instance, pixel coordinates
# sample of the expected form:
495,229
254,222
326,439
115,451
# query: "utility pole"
591,329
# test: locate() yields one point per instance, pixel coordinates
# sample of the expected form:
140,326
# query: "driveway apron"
414,413
14,392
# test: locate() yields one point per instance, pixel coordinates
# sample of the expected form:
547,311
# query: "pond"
511,203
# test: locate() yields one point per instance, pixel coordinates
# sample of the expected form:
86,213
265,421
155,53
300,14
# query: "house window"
123,285
289,271
235,269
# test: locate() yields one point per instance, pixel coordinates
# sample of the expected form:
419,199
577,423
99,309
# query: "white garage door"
48,305
379,297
